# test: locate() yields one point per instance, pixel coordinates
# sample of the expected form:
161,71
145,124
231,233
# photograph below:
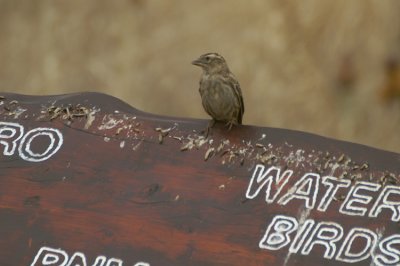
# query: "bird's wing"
238,94
240,115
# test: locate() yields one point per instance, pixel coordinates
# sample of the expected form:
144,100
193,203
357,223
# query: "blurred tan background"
327,67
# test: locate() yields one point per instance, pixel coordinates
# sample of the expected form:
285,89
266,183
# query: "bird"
220,91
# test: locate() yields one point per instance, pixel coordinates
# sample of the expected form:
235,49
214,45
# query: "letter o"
25,151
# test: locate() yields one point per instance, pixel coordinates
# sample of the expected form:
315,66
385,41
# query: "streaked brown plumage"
220,91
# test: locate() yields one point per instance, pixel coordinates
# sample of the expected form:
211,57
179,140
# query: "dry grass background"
286,55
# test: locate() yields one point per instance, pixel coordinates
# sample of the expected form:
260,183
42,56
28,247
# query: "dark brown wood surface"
135,187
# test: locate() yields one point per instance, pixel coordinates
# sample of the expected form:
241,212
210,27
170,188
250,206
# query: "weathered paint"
86,179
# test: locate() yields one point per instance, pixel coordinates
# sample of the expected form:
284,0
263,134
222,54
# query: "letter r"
10,133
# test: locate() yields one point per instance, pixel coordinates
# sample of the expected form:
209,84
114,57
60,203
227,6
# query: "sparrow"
220,91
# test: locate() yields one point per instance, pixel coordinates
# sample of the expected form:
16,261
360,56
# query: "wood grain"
144,188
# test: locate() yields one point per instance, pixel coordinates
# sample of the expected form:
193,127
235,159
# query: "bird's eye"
208,58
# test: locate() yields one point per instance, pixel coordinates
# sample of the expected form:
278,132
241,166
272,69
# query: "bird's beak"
198,62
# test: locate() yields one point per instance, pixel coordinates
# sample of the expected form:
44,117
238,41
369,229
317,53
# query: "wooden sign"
85,179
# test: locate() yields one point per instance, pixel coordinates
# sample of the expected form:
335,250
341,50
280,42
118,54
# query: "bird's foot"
230,124
208,129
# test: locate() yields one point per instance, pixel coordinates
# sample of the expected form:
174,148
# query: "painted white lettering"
25,149
325,234
10,133
264,178
382,202
354,196
333,184
78,259
277,234
391,254
345,254
301,235
114,262
306,189
141,263
47,256
100,261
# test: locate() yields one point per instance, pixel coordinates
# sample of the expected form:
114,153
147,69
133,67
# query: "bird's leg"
209,126
230,124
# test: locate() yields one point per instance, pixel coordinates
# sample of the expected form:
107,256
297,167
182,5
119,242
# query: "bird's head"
211,63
